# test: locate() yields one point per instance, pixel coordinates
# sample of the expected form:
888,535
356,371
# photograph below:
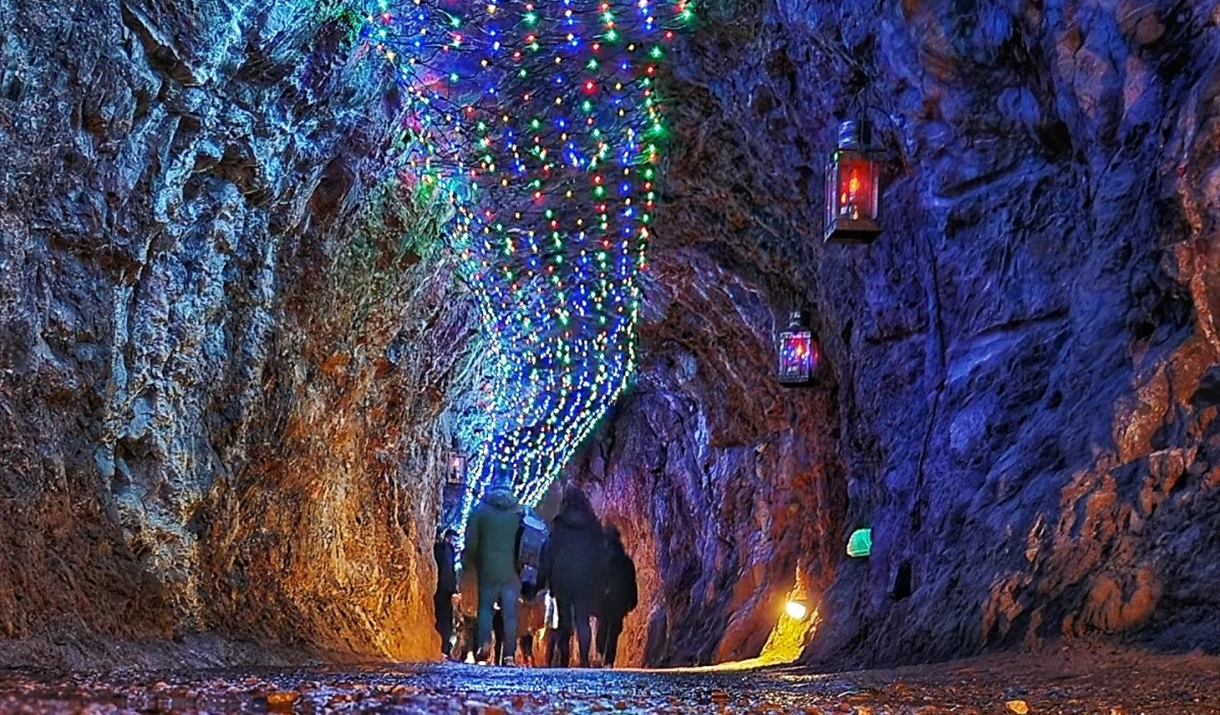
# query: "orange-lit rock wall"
226,340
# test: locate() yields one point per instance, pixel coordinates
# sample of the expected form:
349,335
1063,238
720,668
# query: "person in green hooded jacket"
491,552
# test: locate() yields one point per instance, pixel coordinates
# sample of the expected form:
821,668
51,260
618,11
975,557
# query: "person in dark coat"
619,596
446,587
491,551
571,563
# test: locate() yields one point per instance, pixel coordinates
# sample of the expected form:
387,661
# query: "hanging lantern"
852,187
798,352
455,472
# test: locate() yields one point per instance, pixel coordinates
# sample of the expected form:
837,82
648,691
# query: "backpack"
531,537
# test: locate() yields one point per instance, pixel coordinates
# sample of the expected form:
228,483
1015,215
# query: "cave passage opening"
541,126
768,623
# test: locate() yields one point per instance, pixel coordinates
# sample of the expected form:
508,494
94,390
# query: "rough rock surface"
1023,366
724,484
217,410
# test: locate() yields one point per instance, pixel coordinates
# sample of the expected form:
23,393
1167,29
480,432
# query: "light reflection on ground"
1110,683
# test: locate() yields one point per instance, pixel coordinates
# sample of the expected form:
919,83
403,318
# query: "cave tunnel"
885,334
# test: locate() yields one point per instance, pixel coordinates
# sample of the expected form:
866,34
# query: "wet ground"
1109,683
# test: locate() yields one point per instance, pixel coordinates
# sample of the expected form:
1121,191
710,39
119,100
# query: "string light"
540,124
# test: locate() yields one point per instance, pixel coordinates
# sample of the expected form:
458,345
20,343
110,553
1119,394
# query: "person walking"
468,637
619,596
530,616
446,587
491,536
497,633
572,563
551,628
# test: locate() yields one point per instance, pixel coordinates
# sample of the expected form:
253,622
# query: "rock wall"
724,484
1024,364
225,340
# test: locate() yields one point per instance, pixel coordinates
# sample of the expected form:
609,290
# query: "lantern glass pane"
796,356
856,195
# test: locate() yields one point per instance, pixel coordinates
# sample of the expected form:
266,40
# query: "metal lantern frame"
798,352
853,186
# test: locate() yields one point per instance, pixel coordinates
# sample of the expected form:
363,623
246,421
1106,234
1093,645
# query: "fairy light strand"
540,123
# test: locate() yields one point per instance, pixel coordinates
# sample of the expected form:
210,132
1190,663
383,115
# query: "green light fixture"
860,543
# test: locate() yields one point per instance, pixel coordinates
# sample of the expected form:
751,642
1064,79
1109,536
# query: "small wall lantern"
455,471
799,354
852,186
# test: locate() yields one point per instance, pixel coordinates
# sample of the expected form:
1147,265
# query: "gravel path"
1110,683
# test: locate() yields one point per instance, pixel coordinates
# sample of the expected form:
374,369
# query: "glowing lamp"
796,610
860,543
455,470
852,187
799,354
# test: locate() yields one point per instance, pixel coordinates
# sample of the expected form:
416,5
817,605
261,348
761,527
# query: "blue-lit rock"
1017,363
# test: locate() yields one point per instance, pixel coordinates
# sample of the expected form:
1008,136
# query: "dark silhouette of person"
572,563
446,587
497,634
491,542
619,596
531,617
468,636
551,617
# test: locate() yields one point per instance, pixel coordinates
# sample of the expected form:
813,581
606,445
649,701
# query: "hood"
501,498
575,518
